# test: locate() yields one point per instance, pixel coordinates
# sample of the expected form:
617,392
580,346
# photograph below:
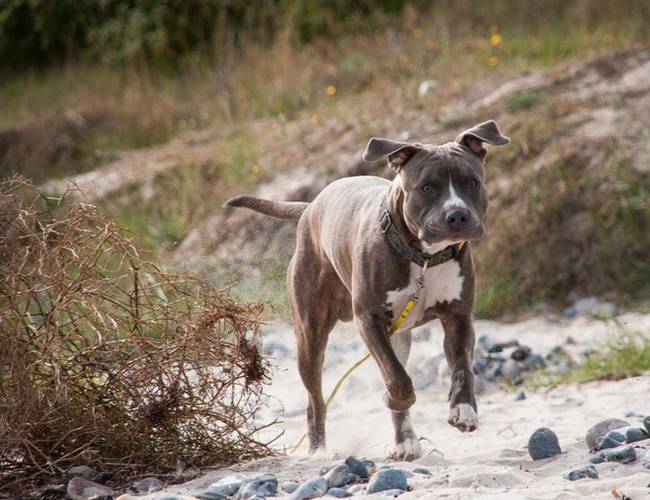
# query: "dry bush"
108,361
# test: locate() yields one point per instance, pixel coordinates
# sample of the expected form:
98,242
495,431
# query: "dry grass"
107,360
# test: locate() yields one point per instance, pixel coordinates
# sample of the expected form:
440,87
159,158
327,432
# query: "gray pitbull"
361,245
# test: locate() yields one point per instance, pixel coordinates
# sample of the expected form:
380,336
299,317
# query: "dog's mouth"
433,236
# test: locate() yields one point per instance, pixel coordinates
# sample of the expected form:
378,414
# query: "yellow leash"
419,286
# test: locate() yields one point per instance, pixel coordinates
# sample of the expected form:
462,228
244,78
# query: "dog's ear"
474,137
398,153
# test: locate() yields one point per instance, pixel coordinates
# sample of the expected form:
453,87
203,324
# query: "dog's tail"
278,209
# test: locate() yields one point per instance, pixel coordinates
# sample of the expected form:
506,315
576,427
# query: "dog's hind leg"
314,315
407,446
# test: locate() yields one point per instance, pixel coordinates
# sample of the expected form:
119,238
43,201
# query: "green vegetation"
524,100
628,357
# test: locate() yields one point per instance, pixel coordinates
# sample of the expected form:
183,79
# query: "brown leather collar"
399,242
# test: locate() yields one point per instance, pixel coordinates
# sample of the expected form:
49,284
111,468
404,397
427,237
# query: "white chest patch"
442,283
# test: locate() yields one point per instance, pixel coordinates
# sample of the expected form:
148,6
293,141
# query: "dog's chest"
442,283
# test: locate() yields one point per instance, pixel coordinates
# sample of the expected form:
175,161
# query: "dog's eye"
427,188
473,183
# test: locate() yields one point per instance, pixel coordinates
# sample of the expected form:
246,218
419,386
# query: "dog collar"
398,241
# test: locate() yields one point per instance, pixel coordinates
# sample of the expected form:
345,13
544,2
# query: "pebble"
312,488
427,86
337,476
422,470
338,493
352,478
512,372
581,473
80,488
387,479
149,485
370,466
622,454
225,487
601,429
500,346
634,434
264,485
521,353
609,441
83,471
535,362
521,395
543,443
289,486
646,423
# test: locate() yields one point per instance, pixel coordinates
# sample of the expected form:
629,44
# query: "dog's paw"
407,450
463,417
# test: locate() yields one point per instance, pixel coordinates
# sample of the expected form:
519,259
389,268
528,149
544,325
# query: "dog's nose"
457,219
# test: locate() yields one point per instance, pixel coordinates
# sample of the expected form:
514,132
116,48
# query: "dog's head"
443,194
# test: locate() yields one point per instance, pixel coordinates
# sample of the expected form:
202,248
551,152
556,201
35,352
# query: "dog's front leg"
459,350
399,395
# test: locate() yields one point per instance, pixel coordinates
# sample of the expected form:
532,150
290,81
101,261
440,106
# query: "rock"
601,429
604,310
395,492
427,86
543,443
622,454
511,371
521,395
338,493
352,478
535,362
597,458
83,471
275,347
521,353
646,423
608,442
581,473
263,485
80,488
500,346
422,470
387,479
225,487
50,491
337,476
371,466
646,459
289,486
634,434
149,485
312,488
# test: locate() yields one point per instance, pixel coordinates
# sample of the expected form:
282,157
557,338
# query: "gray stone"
535,362
337,476
352,478
312,488
511,371
275,347
422,470
338,493
371,466
225,487
646,459
83,471
597,458
80,488
521,353
634,434
543,443
148,485
289,486
581,473
387,479
521,395
622,454
609,441
646,423
263,485
601,429
427,86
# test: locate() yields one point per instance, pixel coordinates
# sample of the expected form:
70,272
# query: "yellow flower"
330,91
417,32
256,169
493,61
495,40
315,119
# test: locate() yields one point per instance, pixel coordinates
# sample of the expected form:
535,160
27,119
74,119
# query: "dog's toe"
463,417
409,449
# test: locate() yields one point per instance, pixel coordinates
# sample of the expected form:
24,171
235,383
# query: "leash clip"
419,281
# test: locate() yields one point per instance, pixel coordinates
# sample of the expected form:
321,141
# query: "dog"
360,247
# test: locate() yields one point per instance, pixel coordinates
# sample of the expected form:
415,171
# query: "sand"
491,462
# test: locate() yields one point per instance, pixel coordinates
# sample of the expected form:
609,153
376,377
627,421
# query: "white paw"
463,417
409,449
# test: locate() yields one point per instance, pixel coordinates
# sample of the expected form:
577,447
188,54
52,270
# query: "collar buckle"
385,222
